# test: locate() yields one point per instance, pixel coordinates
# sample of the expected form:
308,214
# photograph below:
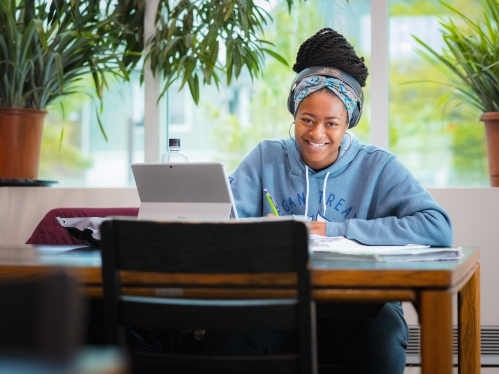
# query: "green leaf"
444,99
171,44
103,132
63,123
27,41
41,33
229,10
442,59
189,69
426,81
277,56
194,88
60,71
181,64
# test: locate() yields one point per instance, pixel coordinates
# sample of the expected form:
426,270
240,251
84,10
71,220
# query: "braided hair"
328,48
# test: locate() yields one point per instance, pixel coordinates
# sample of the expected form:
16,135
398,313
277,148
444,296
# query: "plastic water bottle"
174,154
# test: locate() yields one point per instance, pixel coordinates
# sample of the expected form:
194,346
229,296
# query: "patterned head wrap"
313,83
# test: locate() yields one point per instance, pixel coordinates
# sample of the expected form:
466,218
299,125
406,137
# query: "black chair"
41,321
264,264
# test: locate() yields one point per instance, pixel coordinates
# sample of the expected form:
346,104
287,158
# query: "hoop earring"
289,131
350,137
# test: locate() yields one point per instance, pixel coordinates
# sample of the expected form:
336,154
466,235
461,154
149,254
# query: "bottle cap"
174,142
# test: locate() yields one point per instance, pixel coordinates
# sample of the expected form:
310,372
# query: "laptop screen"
184,191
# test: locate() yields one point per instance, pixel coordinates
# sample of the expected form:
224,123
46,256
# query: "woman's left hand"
318,228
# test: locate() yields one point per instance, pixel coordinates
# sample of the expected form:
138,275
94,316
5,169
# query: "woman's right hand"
270,215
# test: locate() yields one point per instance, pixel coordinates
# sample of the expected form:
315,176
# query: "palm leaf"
471,55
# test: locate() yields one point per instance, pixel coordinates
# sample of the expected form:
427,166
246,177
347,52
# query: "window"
443,145
85,158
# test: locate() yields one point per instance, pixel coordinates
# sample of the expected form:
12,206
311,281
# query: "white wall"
21,208
475,218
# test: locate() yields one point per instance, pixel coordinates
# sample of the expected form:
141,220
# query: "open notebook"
341,248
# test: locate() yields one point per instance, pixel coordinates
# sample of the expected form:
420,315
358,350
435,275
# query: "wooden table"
429,285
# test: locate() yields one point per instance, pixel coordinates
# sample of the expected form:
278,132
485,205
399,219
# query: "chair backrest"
238,276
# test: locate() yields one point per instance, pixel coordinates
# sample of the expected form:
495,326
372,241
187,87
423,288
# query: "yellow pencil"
271,202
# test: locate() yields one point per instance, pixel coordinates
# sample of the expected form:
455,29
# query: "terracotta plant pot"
491,120
20,142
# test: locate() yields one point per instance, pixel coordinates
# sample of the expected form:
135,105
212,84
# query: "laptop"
192,191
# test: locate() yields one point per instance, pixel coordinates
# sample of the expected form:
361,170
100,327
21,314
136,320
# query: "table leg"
469,325
436,332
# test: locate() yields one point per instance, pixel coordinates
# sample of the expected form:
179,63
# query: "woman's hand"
318,228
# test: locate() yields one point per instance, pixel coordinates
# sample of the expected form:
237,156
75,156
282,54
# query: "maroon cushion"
49,231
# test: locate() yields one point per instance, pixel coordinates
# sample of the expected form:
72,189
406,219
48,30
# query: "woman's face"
320,124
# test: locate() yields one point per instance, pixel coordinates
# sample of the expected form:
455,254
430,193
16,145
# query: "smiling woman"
381,202
345,188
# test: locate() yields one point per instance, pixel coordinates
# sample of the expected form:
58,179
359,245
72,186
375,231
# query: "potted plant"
42,53
46,46
472,56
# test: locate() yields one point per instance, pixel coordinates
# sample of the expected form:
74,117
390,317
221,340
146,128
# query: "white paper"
339,247
344,245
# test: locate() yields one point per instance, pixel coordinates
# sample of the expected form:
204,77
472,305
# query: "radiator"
489,344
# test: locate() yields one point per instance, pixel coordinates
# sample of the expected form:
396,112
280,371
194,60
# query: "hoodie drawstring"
306,195
323,193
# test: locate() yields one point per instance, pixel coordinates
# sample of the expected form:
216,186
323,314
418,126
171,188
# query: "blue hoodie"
366,195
